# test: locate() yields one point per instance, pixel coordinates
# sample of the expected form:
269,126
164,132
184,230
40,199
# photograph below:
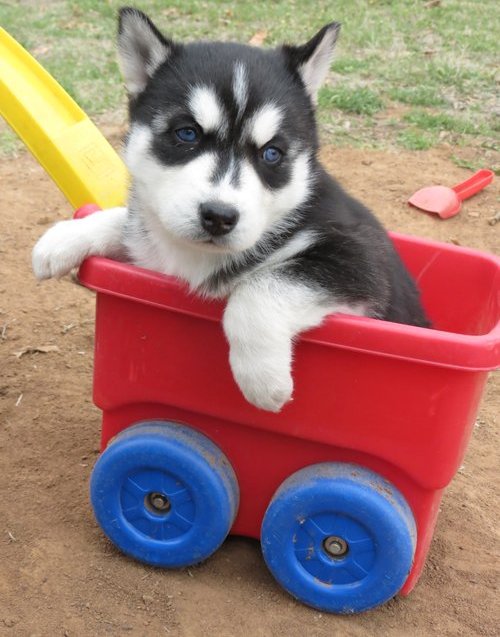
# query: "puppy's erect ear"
312,60
141,49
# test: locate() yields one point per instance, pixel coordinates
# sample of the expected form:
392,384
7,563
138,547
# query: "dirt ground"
60,576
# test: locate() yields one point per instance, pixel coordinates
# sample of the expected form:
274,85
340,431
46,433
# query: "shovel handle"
477,182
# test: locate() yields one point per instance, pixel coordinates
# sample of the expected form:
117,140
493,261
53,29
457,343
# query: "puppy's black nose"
218,218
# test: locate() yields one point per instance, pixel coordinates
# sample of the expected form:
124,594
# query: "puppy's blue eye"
188,134
271,155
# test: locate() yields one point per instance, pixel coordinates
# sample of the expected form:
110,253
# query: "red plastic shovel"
445,201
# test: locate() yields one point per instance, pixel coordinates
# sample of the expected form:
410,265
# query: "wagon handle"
56,130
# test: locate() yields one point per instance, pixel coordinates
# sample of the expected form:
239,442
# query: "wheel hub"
157,502
335,546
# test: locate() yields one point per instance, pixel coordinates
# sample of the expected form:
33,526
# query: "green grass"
417,95
405,74
441,122
466,163
10,143
361,101
412,139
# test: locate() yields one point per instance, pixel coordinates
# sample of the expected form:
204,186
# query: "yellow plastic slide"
56,130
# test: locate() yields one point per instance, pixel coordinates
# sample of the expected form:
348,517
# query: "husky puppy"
228,194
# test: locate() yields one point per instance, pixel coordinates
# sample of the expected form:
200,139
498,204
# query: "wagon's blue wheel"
339,537
164,494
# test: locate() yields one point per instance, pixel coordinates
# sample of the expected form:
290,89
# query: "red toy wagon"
343,486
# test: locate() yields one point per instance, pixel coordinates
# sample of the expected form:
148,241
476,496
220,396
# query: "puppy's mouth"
213,244
230,243
216,244
205,242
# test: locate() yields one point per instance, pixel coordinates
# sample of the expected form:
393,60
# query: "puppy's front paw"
264,387
62,248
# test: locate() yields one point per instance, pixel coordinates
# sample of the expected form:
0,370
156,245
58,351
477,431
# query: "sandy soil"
60,576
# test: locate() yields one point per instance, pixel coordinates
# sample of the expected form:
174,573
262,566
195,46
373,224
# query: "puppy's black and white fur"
227,194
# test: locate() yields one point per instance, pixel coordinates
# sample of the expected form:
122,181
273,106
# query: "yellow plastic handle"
56,130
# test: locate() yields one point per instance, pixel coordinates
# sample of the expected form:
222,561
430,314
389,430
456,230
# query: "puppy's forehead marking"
228,169
264,124
207,109
159,123
240,86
